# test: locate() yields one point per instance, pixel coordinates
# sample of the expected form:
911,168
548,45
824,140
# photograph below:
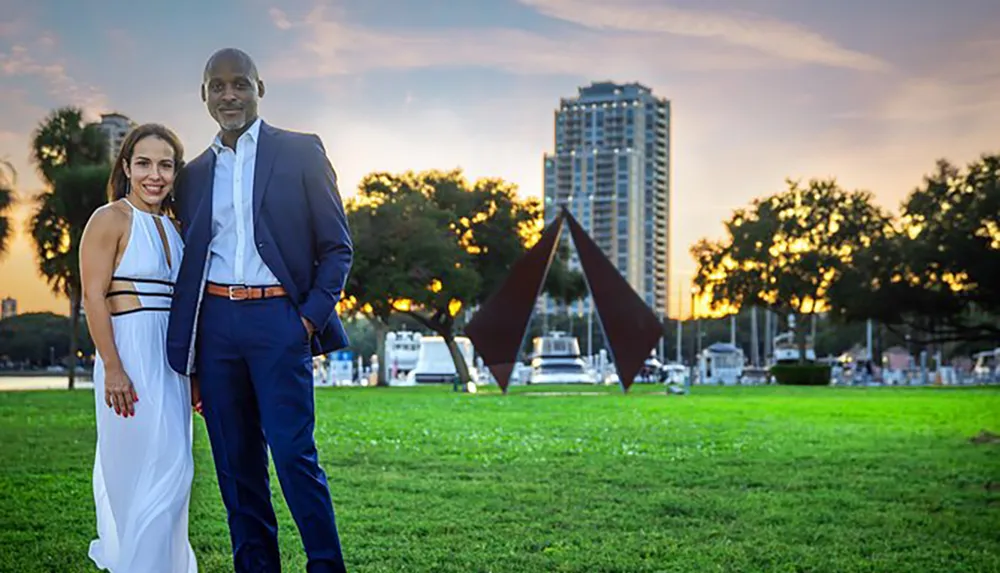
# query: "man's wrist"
310,327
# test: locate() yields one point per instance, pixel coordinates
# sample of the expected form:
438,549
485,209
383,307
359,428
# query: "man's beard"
230,123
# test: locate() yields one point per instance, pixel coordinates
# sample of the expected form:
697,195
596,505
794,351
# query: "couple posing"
222,312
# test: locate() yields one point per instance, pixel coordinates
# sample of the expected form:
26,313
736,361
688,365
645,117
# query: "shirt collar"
252,134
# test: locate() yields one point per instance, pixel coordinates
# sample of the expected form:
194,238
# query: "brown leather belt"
239,292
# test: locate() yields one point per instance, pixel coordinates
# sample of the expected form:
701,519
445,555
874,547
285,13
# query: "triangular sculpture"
498,328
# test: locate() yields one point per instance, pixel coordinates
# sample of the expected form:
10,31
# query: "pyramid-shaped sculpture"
497,330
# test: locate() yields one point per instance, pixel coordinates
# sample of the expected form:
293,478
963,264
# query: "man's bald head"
231,88
231,56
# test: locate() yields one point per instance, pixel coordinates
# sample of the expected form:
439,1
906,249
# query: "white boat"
434,362
987,365
402,352
786,349
556,360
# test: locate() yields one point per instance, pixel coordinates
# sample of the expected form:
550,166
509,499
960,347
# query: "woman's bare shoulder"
113,216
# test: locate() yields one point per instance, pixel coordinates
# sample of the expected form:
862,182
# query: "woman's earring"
128,187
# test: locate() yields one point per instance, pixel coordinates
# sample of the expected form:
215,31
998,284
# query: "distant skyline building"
8,308
116,126
611,169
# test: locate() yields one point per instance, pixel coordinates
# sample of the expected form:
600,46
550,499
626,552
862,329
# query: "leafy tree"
430,244
786,250
8,181
936,272
405,253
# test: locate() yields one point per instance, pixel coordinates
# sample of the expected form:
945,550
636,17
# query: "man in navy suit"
267,253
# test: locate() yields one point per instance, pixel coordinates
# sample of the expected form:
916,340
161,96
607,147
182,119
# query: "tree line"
38,339
929,273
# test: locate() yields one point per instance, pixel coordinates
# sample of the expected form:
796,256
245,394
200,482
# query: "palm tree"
8,180
62,139
72,157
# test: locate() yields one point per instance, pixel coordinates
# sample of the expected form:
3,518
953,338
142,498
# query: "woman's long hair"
118,183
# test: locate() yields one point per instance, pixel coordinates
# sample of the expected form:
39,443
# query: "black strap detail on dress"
124,312
135,292
151,281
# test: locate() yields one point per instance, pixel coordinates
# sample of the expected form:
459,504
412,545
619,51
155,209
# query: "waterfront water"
55,382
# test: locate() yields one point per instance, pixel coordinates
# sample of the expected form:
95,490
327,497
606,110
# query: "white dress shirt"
233,256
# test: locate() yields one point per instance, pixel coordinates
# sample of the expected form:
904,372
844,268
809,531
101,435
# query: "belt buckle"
233,291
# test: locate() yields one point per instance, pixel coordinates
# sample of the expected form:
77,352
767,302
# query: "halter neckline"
140,210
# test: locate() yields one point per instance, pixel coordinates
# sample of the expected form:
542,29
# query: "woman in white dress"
143,468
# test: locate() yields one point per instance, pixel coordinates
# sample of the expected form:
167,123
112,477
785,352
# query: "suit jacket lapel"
267,149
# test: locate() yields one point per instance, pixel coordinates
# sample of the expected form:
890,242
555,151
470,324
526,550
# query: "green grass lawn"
725,479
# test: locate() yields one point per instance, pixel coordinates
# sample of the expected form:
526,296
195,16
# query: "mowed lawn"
725,479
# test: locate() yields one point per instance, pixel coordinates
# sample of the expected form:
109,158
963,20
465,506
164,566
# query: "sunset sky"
869,91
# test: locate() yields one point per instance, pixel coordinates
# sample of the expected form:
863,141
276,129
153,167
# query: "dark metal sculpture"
497,330
498,327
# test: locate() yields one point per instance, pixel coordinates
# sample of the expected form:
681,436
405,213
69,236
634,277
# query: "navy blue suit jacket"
300,230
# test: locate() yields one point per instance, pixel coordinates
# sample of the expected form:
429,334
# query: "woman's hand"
119,393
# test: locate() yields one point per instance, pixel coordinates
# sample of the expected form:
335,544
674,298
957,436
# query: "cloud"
768,36
279,18
947,108
963,85
332,46
30,59
329,45
40,59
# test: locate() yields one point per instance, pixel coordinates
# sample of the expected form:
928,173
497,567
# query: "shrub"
801,374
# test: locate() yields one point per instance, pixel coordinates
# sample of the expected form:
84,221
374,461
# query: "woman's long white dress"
143,466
